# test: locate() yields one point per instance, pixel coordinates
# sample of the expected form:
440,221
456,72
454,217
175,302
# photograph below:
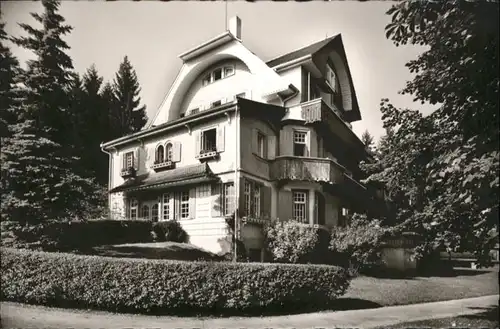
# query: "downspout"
236,184
110,173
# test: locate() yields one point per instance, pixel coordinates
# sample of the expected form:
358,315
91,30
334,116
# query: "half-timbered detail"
238,136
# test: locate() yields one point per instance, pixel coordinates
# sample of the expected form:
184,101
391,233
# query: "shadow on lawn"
451,273
490,313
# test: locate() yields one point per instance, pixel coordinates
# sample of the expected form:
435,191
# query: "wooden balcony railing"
307,169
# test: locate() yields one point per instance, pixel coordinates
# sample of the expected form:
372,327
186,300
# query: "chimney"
235,27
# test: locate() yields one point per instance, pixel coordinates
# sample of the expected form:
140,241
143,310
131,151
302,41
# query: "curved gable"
260,80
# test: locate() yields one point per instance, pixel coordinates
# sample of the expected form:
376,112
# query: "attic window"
194,111
218,74
216,103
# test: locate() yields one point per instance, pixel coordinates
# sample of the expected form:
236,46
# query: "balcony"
127,172
306,169
163,165
210,153
317,110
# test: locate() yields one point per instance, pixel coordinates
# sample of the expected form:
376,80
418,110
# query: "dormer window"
216,103
218,74
194,111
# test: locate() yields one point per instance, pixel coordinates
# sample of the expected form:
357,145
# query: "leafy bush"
294,242
170,231
359,245
164,286
70,235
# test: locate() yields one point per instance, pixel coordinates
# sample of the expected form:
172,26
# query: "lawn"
487,319
157,250
369,292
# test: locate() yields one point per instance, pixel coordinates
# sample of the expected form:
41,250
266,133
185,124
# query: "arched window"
160,154
168,152
133,208
154,212
144,212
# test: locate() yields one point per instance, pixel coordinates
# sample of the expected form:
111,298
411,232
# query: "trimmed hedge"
78,235
164,286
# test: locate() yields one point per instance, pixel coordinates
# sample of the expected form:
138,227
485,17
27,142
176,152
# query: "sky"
153,34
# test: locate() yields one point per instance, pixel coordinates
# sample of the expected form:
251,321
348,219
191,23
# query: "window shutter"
192,203
241,197
271,150
124,165
176,152
136,159
216,200
308,144
255,146
221,138
177,206
286,141
197,142
265,201
285,205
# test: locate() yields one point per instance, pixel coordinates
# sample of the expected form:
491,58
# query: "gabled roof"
308,50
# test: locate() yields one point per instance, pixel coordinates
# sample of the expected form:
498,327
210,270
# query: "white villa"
236,134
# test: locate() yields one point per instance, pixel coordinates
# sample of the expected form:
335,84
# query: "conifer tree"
40,175
127,115
9,72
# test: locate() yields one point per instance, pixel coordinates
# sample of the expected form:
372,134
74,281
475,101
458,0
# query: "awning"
189,175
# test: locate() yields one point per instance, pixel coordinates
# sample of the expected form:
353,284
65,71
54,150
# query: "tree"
49,75
367,139
40,173
442,170
9,72
127,116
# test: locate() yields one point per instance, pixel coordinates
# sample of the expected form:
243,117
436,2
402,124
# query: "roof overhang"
195,174
171,125
205,47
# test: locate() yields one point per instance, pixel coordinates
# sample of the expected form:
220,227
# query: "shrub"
359,245
170,231
71,235
293,242
164,286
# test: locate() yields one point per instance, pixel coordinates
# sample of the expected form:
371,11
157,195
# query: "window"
144,212
184,196
331,79
166,206
252,194
228,71
216,103
209,140
168,152
229,194
261,145
218,74
128,160
160,154
133,208
318,145
194,111
256,201
299,206
154,212
299,143
248,197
